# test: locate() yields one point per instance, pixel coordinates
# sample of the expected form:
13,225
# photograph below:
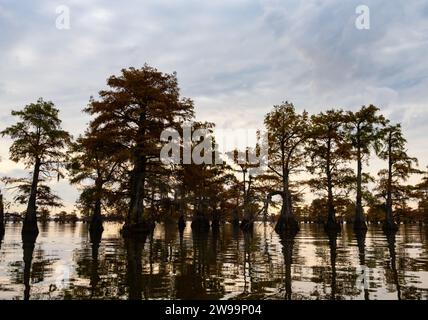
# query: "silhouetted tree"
137,107
330,152
248,167
363,133
287,132
38,142
391,147
98,157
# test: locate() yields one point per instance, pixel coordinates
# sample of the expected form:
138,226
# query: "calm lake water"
223,265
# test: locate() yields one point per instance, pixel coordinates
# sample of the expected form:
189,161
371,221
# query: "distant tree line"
115,164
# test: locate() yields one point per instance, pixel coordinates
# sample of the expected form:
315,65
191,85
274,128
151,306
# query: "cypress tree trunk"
389,224
235,217
1,215
287,222
136,222
332,224
215,223
359,221
30,219
247,222
96,223
200,222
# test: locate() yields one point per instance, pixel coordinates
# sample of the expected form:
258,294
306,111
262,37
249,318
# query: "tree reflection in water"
287,241
28,243
390,237
228,263
361,242
332,242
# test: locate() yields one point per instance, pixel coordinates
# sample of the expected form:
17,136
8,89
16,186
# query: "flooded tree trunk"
331,224
200,222
235,218
1,216
247,222
182,211
96,223
181,223
389,224
359,221
215,223
136,223
287,223
30,219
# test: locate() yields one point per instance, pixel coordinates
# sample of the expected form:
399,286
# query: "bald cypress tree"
96,157
363,131
288,130
391,147
330,153
138,105
39,142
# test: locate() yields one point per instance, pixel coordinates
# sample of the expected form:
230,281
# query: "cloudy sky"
235,58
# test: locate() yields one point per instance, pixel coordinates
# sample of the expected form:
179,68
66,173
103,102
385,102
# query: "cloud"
234,58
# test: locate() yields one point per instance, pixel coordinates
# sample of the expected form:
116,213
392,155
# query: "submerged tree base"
235,222
200,223
181,224
29,230
360,225
96,225
215,225
287,226
389,226
332,226
138,230
247,225
96,231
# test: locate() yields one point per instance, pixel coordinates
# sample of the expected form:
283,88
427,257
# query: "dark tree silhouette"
287,132
96,156
330,152
38,142
363,133
391,147
137,107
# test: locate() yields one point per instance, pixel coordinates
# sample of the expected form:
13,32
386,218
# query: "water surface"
64,264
